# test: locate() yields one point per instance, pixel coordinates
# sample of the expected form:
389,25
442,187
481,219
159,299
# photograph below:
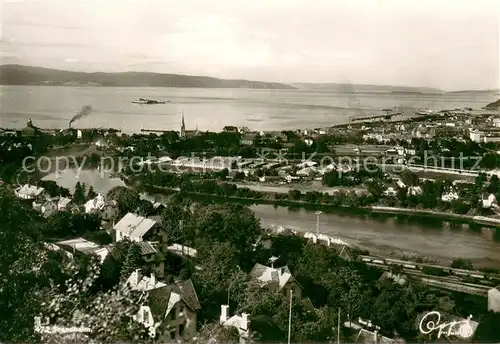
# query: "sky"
446,44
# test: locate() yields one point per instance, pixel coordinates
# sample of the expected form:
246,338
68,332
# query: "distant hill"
477,91
365,88
493,106
30,75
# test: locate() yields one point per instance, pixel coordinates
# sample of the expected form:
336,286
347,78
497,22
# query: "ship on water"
149,101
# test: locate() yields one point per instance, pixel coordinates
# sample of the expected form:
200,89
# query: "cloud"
12,43
71,60
34,24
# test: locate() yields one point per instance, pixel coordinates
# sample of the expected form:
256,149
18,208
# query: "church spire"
183,126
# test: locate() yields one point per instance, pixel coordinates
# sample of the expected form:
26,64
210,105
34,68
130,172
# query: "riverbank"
492,221
481,220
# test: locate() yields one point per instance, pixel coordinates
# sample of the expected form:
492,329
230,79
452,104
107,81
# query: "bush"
462,264
100,237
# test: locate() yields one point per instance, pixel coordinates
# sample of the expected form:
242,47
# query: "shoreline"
481,220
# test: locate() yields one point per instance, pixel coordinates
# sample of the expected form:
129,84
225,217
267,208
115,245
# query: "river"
384,235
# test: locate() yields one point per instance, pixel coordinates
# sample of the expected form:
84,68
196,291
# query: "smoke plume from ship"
84,112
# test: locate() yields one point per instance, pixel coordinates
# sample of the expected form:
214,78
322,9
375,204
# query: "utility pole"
338,327
290,318
318,213
181,236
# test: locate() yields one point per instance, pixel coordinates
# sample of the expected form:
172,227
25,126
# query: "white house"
390,191
169,311
138,228
490,201
30,192
308,142
476,136
279,280
400,184
305,172
183,250
64,203
415,191
449,196
143,283
108,210
307,163
48,207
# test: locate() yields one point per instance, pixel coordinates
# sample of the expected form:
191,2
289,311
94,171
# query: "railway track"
445,282
420,266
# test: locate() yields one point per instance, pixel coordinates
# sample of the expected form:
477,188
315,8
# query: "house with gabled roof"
64,203
107,210
280,280
30,192
154,259
168,311
138,228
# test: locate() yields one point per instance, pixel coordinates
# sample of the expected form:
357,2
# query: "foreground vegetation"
36,280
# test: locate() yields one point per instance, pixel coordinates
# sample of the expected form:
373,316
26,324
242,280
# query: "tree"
224,173
494,186
79,194
108,314
375,188
109,275
145,208
409,178
218,263
231,223
480,180
133,261
172,216
228,335
91,194
21,274
462,264
294,194
127,198
402,196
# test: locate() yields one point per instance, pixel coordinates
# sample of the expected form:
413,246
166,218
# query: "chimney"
245,322
136,277
224,313
375,336
274,275
38,324
153,280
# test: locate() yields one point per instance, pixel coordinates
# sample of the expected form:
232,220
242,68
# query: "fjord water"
208,109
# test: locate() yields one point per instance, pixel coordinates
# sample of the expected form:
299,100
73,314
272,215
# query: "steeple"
183,126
